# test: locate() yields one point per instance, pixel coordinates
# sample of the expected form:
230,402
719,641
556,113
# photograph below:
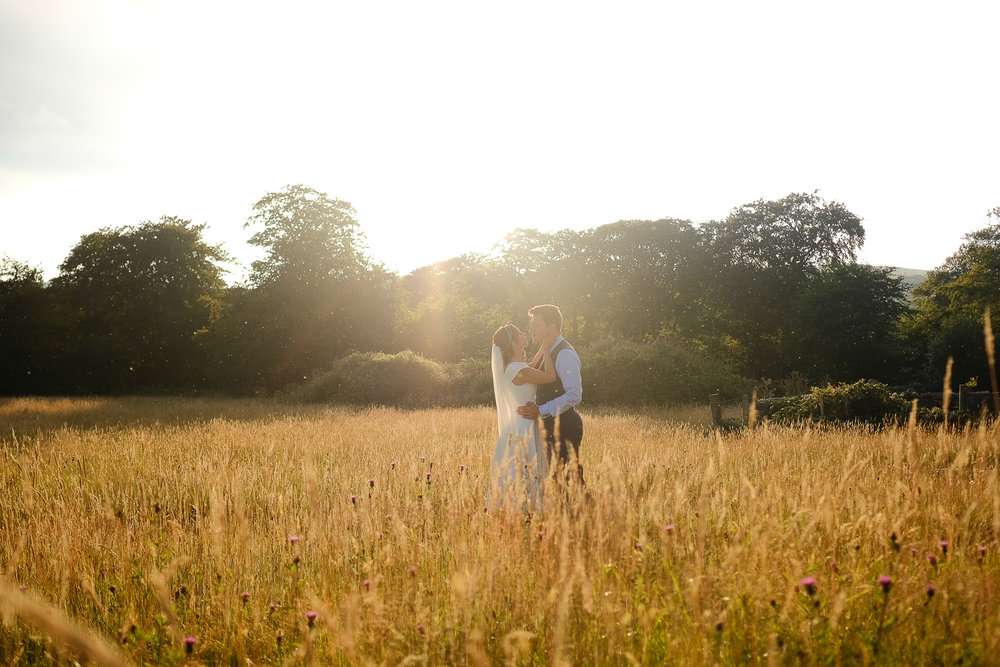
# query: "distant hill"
912,277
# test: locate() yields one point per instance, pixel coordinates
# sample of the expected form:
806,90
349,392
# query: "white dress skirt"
519,461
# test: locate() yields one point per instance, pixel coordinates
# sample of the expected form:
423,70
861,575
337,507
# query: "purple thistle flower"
669,528
930,591
885,583
808,583
638,546
23,587
413,570
982,552
366,583
311,617
428,476
371,483
245,595
420,628
184,589
461,467
944,546
932,559
292,539
271,607
392,465
354,499
189,643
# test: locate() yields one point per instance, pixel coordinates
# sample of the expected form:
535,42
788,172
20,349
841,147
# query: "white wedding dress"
519,462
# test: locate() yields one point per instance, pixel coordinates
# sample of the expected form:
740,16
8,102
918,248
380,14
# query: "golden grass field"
282,534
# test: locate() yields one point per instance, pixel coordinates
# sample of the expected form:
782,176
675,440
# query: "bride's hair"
504,339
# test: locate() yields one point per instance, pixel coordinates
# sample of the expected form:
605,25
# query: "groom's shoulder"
566,345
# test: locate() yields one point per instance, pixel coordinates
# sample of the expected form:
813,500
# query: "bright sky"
448,124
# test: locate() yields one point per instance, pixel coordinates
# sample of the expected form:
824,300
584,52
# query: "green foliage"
655,373
404,380
846,320
31,335
316,296
864,401
136,296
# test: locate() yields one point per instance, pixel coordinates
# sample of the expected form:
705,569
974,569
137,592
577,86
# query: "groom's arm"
568,367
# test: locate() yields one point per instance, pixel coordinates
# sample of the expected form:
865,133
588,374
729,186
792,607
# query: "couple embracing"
550,388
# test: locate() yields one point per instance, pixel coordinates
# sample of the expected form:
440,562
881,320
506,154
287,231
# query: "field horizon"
176,531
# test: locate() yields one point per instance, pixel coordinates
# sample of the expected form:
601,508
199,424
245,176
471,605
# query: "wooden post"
716,406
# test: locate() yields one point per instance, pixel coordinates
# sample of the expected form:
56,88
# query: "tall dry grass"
286,535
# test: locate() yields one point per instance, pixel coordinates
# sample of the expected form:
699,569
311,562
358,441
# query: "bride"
519,462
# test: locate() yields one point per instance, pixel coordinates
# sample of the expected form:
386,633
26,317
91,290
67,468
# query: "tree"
846,323
309,237
951,302
316,296
789,236
31,331
139,295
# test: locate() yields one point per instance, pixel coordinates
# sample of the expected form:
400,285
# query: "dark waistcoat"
547,392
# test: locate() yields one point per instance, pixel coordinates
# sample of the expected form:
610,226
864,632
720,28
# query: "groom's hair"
548,313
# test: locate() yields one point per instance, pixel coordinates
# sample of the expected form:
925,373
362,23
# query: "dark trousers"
563,445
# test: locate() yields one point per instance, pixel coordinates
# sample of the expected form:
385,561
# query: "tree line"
772,294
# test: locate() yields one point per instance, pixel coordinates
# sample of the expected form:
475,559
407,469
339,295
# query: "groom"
558,400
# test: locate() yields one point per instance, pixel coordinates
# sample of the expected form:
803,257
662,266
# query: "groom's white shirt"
568,370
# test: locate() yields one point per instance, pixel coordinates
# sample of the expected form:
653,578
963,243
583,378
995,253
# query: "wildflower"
189,643
23,587
420,628
311,617
461,467
808,583
392,465
894,541
292,539
423,458
184,589
669,528
354,499
930,591
932,559
366,583
944,546
371,483
246,596
271,607
982,552
413,570
885,583
638,546
541,534
428,476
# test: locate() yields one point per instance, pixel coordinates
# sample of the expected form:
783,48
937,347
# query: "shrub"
863,401
405,380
